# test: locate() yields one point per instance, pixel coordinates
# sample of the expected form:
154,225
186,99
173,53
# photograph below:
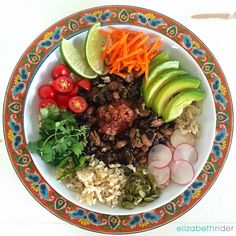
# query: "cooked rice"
187,122
97,182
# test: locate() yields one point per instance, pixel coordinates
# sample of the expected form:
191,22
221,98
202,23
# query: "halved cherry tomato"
60,70
45,103
63,84
62,101
46,91
74,92
77,104
85,84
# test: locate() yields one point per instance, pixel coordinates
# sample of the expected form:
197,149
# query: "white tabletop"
22,21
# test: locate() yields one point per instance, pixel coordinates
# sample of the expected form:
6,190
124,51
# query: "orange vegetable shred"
128,51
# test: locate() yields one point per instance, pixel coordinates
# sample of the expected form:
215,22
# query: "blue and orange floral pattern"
97,15
24,74
113,221
148,19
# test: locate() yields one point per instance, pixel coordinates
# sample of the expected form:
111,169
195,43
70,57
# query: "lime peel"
75,61
93,49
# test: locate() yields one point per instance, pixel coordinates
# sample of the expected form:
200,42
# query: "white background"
22,21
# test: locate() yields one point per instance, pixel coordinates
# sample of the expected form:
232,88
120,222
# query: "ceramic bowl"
207,121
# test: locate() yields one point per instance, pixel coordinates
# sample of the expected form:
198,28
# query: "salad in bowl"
122,119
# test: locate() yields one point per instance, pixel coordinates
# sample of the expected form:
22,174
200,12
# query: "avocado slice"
155,85
170,89
157,70
160,68
160,58
176,105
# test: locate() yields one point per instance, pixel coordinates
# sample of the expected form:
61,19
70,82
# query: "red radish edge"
161,161
189,179
160,165
175,157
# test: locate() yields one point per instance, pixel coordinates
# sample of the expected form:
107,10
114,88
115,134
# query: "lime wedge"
93,49
76,61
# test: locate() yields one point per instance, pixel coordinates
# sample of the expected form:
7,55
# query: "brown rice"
97,182
187,122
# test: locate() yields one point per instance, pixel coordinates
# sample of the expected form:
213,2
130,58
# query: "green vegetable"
83,161
93,48
176,105
140,188
172,88
62,139
76,60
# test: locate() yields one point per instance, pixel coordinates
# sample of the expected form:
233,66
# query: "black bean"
99,154
105,137
90,111
150,134
121,136
110,157
113,85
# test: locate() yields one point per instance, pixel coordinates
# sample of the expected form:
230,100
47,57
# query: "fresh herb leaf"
47,153
83,161
44,112
61,137
51,113
64,162
70,171
77,148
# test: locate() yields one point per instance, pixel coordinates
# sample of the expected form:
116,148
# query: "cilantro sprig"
62,139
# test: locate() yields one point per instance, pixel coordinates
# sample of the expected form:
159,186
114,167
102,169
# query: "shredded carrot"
126,63
128,51
154,54
114,46
135,38
154,46
131,54
120,74
130,68
125,48
104,32
146,69
117,30
141,42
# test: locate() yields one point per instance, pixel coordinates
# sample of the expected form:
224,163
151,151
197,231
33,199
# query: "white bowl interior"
204,143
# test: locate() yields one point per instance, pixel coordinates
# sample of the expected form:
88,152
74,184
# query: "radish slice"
171,163
182,172
162,175
177,138
160,154
186,152
172,149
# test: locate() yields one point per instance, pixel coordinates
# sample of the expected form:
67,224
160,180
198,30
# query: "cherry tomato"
62,101
85,84
77,104
46,91
63,84
73,92
45,103
60,70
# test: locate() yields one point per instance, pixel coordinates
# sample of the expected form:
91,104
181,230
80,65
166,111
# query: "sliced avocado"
157,70
176,105
158,82
163,66
170,89
160,58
